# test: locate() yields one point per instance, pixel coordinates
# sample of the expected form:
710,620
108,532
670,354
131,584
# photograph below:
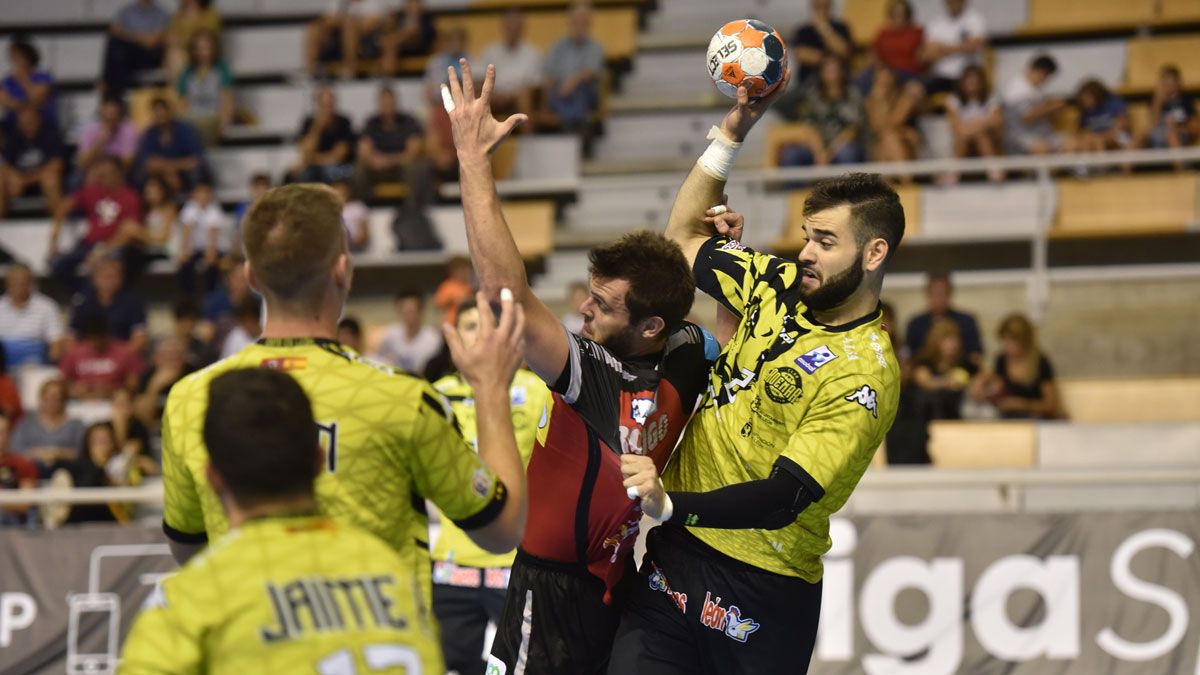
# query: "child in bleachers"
206,89
1103,121
355,217
158,204
1029,111
1172,113
975,121
205,241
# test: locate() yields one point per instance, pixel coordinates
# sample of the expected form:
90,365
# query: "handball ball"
747,53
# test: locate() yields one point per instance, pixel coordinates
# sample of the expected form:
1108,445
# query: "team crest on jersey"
729,621
481,482
864,396
640,409
815,358
783,385
285,363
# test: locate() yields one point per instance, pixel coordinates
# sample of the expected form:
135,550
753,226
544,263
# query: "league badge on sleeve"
815,358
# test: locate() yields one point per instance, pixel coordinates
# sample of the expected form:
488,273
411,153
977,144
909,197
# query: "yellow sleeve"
737,276
530,416
160,641
183,517
446,471
842,423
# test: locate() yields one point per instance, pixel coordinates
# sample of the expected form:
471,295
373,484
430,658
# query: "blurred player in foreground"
799,400
469,583
286,590
387,436
627,384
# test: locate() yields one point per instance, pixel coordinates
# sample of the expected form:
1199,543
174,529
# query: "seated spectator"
137,39
938,373
326,143
573,69
452,48
356,217
48,436
953,41
577,294
95,467
1103,122
350,334
170,149
206,89
192,18
456,288
259,184
27,86
518,67
347,31
894,138
408,344
107,299
161,216
1021,384
31,329
205,242
34,157
412,34
168,366
897,47
133,438
16,473
114,225
217,310
112,133
247,327
1173,119
97,364
976,120
822,36
391,150
1029,112
835,112
938,292
10,396
186,329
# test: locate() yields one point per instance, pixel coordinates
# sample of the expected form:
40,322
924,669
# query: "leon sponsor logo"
727,620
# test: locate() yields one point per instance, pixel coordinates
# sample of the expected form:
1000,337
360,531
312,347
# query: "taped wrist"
718,159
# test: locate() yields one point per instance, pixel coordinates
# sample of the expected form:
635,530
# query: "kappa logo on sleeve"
864,396
815,358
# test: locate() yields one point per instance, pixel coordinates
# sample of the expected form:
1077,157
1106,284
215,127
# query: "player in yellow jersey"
387,436
798,402
287,590
469,583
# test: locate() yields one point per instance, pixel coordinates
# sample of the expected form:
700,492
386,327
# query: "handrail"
913,478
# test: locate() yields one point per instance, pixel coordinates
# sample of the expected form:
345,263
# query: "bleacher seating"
979,444
1126,205
1147,55
1116,400
792,239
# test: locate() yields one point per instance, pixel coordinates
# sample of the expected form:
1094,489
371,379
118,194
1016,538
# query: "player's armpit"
769,504
546,345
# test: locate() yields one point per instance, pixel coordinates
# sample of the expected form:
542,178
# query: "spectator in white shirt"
1029,111
518,68
355,217
953,41
408,344
248,315
31,328
205,240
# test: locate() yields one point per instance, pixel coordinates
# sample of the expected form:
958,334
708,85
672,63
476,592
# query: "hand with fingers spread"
726,221
746,112
476,132
642,481
499,349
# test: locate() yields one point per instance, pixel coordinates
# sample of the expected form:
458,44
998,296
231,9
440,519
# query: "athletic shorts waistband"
447,573
681,537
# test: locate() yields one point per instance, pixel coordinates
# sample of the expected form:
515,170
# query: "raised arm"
705,185
494,253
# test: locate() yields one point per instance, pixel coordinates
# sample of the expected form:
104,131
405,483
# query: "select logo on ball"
746,53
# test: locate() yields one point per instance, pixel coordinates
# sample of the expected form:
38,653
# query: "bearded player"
798,402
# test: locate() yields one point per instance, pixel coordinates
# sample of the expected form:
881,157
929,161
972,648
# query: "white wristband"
717,160
668,508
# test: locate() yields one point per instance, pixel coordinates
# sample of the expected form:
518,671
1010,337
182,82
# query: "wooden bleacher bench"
532,225
1063,16
1122,399
615,28
1126,205
1145,56
792,239
975,444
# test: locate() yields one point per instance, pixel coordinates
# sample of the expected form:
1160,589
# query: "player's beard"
621,342
834,290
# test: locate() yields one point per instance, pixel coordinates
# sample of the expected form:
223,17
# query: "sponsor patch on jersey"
815,358
495,666
640,408
783,385
481,482
285,363
727,620
733,245
864,396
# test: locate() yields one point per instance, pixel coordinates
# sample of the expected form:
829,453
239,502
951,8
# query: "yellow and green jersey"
529,397
786,388
302,594
390,439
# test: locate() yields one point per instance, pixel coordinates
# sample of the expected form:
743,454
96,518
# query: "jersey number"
378,657
327,438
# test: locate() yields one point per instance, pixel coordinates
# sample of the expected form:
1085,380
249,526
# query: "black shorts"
555,620
696,610
464,600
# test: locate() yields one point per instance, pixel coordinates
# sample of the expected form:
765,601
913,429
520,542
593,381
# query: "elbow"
777,520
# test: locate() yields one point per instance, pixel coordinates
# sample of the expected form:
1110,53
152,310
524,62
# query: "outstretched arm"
494,253
706,182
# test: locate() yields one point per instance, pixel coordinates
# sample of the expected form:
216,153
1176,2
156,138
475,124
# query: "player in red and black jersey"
627,384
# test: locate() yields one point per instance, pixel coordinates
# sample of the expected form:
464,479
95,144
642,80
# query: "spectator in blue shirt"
33,156
1172,113
122,311
26,85
172,150
938,291
573,69
1103,122
136,42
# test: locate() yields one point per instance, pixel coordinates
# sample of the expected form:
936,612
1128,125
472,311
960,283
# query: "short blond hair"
293,235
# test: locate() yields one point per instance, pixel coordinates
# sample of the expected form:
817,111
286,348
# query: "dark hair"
351,324
261,435
410,293
660,280
875,209
3,362
113,99
249,307
1172,70
168,193
85,446
465,306
114,161
960,88
160,101
908,10
261,177
94,326
1095,88
934,277
185,308
26,49
1044,63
